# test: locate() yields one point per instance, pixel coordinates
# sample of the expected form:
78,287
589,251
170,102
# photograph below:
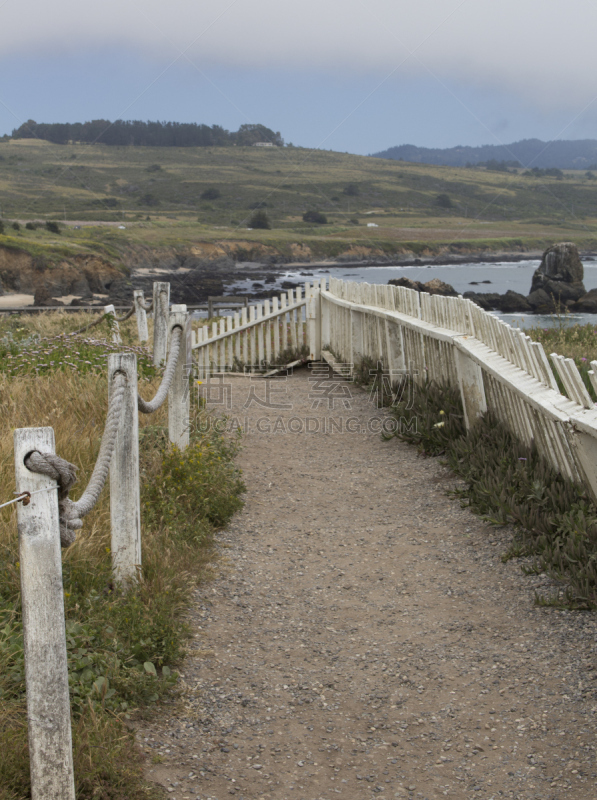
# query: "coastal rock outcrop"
509,303
558,281
587,304
434,286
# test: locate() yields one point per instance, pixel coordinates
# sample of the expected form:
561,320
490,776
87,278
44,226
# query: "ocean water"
499,277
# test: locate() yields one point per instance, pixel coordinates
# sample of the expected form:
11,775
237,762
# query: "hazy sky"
338,74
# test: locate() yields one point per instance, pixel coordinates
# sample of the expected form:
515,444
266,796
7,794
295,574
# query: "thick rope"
148,307
149,406
128,314
64,473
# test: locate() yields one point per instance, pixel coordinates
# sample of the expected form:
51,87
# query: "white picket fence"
255,338
497,367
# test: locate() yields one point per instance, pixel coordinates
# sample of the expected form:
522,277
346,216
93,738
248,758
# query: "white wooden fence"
256,337
497,367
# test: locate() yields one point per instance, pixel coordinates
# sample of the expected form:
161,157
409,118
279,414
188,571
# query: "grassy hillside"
82,184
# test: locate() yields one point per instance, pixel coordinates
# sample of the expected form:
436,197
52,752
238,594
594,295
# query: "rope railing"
65,473
48,520
126,316
149,406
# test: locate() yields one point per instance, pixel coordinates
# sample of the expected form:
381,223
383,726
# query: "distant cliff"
564,154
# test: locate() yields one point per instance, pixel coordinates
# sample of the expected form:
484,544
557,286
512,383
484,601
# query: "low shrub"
315,216
260,220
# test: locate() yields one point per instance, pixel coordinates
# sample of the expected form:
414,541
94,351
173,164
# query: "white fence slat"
284,324
275,309
253,336
593,375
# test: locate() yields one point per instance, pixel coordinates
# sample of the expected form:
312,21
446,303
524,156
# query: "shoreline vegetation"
123,649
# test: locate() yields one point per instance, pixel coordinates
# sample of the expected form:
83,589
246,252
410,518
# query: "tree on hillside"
315,216
211,194
260,220
443,200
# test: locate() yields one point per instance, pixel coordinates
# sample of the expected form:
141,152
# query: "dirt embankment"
82,277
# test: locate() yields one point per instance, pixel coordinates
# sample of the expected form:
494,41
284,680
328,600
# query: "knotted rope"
149,406
97,321
64,473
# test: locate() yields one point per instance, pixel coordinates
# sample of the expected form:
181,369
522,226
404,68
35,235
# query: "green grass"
491,210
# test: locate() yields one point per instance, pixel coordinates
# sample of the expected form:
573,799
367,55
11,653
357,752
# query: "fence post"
314,321
139,301
115,327
210,308
472,391
46,672
161,310
125,502
179,394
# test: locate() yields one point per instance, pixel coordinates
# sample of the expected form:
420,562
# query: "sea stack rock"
434,286
558,281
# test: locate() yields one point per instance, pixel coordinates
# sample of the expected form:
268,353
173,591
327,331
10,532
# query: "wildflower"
441,413
437,425
522,459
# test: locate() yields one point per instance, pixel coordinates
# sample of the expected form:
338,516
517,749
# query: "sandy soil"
364,639
15,300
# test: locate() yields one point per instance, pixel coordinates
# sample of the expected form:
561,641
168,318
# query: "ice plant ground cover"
508,483
123,649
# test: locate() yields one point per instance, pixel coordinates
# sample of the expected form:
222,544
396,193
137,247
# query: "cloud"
539,50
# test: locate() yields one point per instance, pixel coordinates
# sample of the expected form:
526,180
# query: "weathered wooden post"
472,391
46,672
179,395
114,326
313,296
161,313
125,501
139,301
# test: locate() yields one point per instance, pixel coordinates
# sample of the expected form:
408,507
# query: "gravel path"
364,639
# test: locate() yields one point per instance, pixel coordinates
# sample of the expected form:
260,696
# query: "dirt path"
365,639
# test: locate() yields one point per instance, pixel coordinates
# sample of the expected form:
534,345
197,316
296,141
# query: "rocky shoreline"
557,286
92,281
